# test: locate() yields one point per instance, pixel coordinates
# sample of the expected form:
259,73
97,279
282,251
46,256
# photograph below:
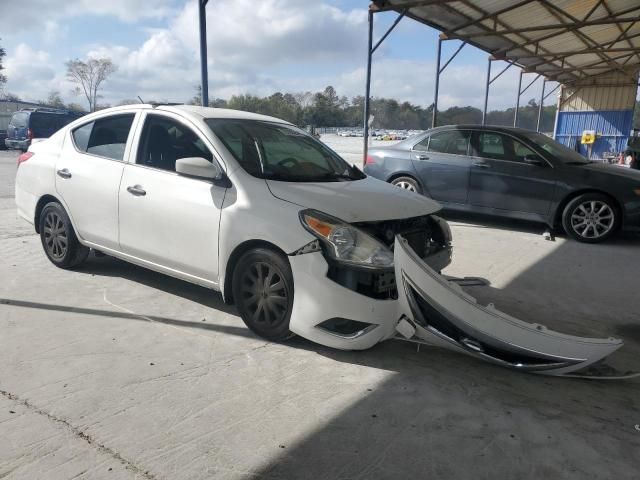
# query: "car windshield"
281,152
556,150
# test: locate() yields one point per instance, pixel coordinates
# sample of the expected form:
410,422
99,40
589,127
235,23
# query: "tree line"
328,109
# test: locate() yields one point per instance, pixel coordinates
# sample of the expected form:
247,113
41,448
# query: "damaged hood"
365,200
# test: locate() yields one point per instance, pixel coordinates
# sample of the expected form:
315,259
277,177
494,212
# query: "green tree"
53,100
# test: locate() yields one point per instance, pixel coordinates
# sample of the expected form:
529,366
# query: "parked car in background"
511,172
39,122
277,222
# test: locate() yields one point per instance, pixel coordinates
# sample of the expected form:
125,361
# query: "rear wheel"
407,183
590,218
58,238
263,292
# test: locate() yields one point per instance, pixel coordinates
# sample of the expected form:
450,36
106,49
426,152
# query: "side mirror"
533,160
198,167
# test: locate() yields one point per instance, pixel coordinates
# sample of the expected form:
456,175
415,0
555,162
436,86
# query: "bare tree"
3,78
89,76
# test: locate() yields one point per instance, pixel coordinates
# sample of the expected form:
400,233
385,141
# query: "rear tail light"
370,160
24,157
30,134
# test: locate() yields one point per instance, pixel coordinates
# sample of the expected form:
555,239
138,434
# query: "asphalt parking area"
113,371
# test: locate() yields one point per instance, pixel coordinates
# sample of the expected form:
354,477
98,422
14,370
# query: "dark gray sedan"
514,173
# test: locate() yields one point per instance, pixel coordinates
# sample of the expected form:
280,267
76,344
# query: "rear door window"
106,137
455,142
492,145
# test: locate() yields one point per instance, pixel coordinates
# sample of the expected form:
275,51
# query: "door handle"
422,157
137,190
64,173
481,165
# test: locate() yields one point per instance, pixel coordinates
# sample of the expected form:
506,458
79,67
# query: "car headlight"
346,243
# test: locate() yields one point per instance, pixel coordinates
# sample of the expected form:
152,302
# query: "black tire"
591,218
407,183
266,311
59,239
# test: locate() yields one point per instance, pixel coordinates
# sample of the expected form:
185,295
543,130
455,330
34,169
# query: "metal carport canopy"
564,40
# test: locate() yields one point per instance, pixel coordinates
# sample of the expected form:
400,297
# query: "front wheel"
58,238
590,218
263,292
407,183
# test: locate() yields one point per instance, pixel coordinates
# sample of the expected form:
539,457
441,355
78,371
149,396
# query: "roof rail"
45,110
165,104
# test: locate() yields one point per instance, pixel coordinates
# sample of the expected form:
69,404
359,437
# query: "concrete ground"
116,372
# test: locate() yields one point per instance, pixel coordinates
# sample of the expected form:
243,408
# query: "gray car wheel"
590,218
263,292
407,183
58,238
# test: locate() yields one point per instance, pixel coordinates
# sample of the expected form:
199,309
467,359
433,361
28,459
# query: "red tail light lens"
24,157
30,134
369,160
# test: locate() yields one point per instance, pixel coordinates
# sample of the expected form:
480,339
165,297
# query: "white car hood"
365,200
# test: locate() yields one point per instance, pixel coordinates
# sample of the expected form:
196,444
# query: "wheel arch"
405,174
42,201
557,217
238,251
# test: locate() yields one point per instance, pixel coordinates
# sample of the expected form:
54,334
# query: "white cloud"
33,15
248,40
254,47
30,73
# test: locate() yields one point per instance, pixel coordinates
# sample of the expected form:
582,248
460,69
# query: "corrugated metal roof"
565,40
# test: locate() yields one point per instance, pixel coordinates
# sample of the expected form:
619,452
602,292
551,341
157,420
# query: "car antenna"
141,101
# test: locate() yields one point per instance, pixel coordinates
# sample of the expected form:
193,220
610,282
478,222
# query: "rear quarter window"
19,120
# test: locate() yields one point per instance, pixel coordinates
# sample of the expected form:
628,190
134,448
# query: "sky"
254,47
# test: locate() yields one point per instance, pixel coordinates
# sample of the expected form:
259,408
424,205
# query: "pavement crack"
128,464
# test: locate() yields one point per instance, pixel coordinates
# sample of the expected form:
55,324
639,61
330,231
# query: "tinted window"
520,151
556,150
165,140
422,146
452,141
491,145
19,120
106,137
81,136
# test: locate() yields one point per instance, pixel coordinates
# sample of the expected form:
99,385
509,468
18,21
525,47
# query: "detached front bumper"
442,314
432,310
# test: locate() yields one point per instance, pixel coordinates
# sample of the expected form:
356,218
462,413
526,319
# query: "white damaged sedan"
302,242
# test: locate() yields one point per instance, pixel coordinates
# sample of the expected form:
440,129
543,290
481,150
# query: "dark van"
31,123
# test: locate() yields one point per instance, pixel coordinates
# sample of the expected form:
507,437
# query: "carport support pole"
204,72
515,114
544,84
486,93
368,89
434,117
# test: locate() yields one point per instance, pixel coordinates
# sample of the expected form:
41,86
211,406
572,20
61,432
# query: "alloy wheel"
405,185
592,219
55,235
264,293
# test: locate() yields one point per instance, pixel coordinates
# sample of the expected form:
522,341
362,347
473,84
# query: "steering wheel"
292,162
